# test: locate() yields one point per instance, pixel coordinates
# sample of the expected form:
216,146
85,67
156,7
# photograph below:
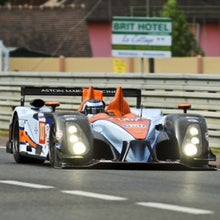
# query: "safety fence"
163,91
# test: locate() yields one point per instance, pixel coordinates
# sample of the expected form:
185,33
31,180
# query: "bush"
183,40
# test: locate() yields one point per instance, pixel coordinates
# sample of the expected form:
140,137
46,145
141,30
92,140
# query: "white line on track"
94,195
2,147
175,208
163,206
24,184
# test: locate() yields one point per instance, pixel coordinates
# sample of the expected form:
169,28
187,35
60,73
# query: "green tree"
183,40
4,2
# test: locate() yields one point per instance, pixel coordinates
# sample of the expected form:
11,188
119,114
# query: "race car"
106,136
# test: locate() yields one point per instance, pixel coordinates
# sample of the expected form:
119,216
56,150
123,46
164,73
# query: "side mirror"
53,105
184,106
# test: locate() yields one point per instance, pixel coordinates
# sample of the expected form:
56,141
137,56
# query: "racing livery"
113,136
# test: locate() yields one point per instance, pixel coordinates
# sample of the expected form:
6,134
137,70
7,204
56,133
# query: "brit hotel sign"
141,37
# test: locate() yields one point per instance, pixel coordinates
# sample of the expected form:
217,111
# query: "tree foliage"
4,2
183,40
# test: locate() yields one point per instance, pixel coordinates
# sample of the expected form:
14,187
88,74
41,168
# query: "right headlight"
72,129
192,143
79,148
190,150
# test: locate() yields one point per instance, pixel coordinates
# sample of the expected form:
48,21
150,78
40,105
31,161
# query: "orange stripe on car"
24,137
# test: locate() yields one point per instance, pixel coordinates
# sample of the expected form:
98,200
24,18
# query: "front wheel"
52,147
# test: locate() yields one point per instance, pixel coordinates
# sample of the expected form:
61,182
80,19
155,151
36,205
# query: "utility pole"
150,60
4,57
147,8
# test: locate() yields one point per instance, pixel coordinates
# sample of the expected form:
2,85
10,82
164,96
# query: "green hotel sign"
141,37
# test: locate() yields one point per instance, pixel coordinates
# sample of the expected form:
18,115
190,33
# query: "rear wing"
75,91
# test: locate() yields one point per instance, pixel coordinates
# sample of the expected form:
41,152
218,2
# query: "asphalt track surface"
32,192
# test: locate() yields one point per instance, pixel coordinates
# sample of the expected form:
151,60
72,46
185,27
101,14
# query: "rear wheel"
16,142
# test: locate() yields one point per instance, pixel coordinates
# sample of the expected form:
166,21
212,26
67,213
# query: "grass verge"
215,150
4,133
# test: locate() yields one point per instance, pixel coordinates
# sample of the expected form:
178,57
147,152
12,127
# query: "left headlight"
192,143
77,140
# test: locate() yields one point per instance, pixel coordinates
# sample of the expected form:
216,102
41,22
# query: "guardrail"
163,91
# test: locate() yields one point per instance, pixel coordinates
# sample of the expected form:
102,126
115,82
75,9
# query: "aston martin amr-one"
104,135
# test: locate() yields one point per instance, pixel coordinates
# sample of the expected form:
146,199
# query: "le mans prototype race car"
114,136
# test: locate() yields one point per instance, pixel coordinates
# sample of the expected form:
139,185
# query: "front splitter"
138,166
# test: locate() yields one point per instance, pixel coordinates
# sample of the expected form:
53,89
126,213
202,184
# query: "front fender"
178,128
63,143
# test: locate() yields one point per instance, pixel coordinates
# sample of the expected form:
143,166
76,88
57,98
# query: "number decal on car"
42,133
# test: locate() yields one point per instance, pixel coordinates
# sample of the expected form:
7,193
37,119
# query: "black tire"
15,143
52,147
16,147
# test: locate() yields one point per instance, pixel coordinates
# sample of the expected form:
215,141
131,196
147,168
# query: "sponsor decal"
61,90
59,134
47,133
58,145
69,118
40,115
207,136
135,126
192,119
130,119
36,130
109,91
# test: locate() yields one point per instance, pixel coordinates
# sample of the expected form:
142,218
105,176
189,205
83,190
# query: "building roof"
23,52
103,10
55,31
59,27
195,10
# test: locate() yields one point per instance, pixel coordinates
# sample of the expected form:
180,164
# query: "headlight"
192,143
194,131
190,150
78,144
79,148
195,140
72,129
74,138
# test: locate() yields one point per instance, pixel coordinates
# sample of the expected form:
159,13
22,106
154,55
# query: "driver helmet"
93,107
